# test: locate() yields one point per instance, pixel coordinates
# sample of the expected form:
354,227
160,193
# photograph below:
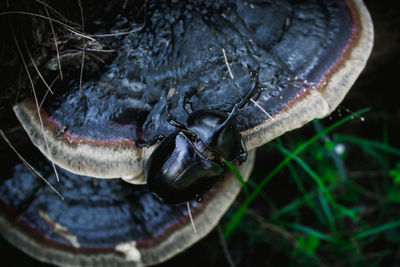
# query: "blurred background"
334,204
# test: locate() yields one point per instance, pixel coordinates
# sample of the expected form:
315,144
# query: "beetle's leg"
152,141
234,112
253,87
181,127
243,152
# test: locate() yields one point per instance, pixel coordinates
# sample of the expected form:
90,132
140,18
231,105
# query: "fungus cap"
102,222
309,54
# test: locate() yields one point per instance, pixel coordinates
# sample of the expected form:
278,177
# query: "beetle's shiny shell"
176,172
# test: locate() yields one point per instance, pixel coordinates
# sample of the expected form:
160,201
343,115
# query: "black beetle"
189,161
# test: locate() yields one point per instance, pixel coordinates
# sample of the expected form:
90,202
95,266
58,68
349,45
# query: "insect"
189,161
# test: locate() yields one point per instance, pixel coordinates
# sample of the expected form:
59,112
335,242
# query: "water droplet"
340,149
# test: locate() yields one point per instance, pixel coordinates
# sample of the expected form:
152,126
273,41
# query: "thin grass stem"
241,211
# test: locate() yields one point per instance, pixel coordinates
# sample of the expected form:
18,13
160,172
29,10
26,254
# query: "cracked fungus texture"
100,212
176,61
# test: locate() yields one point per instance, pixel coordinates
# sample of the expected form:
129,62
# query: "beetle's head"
222,138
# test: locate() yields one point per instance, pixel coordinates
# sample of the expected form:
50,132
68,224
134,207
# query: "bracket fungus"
103,222
189,55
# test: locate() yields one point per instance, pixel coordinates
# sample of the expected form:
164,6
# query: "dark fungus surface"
176,63
98,213
100,222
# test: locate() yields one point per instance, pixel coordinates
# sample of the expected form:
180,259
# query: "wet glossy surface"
99,213
177,172
179,54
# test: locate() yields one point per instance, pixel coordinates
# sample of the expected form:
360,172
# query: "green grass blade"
379,158
367,142
378,229
358,189
241,211
311,232
290,207
327,211
329,148
312,174
306,196
350,213
252,185
320,184
295,204
238,176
